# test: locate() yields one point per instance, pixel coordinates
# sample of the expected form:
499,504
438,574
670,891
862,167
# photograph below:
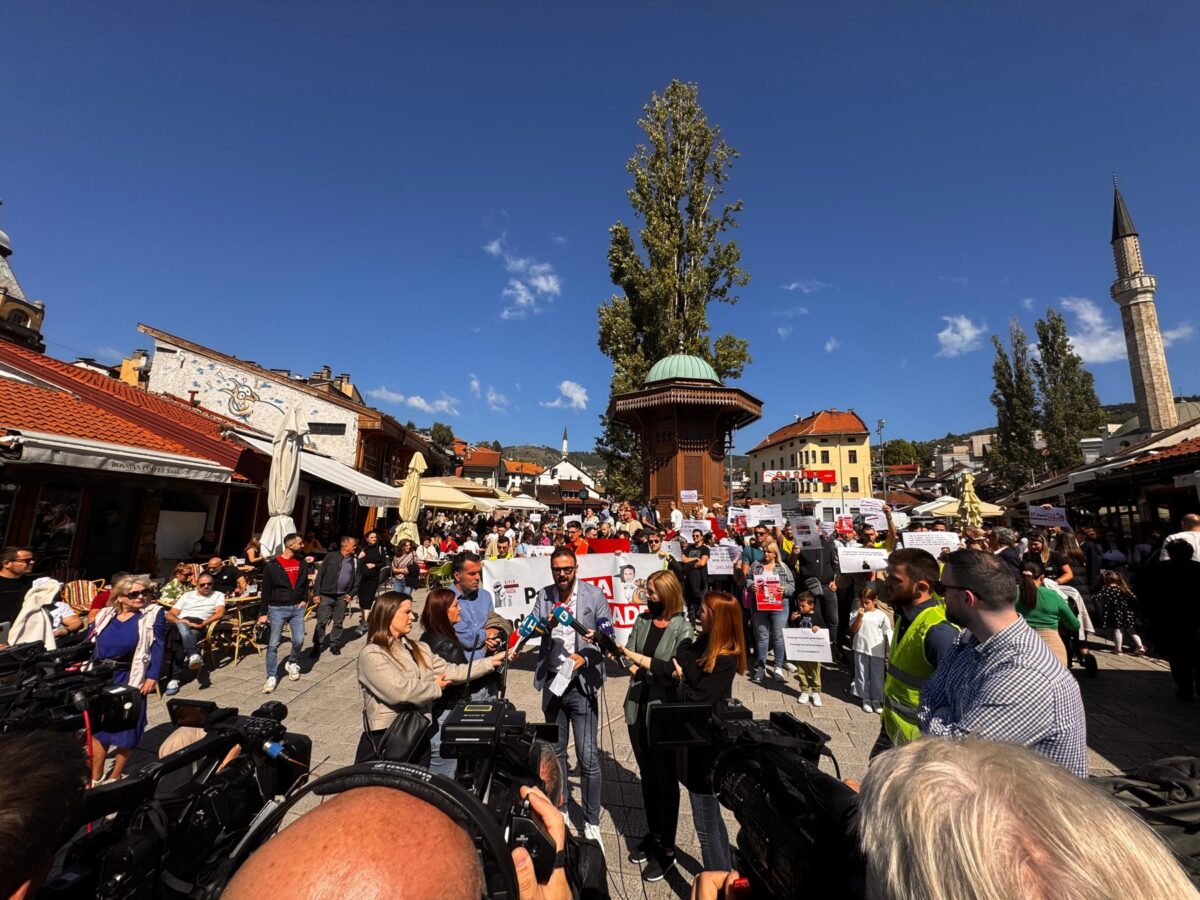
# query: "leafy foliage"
441,434
682,264
1070,408
1014,462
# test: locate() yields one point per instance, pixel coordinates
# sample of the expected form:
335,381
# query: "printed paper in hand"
674,548
769,514
807,531
806,645
933,541
722,559
566,671
690,525
845,525
872,513
768,592
689,496
857,560
739,518
535,517
1045,518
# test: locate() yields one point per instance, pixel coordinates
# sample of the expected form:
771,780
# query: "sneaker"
780,675
879,710
658,867
335,649
172,688
641,852
816,699
791,667
195,662
293,670
868,708
803,697
757,676
592,833
269,687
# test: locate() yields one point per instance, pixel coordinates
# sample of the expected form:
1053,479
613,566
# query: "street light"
880,424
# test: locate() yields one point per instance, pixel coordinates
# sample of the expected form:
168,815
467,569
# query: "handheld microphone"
529,626
564,616
606,641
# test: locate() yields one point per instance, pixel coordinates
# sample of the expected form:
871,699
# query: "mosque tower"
1134,293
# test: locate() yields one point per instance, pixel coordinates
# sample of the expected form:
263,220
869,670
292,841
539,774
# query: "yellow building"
821,463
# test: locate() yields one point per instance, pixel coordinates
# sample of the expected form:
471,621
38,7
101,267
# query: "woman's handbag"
404,739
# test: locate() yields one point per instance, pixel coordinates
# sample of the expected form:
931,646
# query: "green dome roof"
682,365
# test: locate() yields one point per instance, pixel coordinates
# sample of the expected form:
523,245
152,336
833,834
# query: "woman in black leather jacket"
437,631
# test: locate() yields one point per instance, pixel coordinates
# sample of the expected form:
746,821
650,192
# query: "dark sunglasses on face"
562,570
133,595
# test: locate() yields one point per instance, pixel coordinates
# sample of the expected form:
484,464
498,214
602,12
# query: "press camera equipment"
42,688
162,832
797,836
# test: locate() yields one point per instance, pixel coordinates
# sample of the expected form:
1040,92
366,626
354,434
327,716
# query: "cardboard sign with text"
1048,518
857,560
933,541
806,645
807,531
768,592
872,513
690,525
689,496
721,559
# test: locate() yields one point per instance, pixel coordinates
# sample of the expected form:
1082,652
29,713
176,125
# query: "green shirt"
1051,610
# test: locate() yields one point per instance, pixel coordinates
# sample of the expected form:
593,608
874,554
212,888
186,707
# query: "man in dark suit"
337,582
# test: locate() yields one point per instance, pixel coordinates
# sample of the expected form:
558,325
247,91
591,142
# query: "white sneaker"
867,708
879,709
592,833
780,675
293,670
816,699
269,687
195,662
803,697
791,667
172,687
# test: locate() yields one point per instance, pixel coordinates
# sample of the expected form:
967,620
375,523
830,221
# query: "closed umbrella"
284,481
969,511
410,503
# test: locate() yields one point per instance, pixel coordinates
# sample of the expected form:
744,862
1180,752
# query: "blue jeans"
768,630
710,831
187,634
277,616
441,766
578,711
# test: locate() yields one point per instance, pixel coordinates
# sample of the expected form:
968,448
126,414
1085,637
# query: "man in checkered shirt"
1000,681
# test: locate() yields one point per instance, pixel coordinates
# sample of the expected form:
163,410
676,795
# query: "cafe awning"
84,453
369,491
441,496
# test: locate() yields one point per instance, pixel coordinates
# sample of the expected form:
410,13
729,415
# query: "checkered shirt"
1009,688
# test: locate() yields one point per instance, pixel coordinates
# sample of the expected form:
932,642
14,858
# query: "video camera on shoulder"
42,688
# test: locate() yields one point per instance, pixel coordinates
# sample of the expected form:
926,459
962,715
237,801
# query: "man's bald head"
367,842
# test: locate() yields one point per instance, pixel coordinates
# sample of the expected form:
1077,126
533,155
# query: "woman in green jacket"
657,636
1044,609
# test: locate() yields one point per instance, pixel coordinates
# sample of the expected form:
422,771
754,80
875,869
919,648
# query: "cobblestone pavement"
1133,717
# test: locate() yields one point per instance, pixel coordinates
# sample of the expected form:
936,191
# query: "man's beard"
954,618
905,597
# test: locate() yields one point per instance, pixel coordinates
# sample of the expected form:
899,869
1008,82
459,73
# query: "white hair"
947,819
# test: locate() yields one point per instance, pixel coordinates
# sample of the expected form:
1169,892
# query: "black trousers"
882,743
329,610
827,609
367,589
1184,657
660,785
845,605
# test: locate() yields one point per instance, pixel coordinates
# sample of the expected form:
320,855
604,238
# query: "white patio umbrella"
523,502
284,481
410,503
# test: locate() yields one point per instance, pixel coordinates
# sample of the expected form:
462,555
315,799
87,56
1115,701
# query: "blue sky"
420,194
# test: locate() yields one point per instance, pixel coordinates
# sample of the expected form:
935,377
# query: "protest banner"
806,645
827,528
609,545
768,514
856,560
689,496
739,518
844,525
675,548
807,531
689,525
768,592
933,541
535,517
1055,516
539,550
721,559
871,509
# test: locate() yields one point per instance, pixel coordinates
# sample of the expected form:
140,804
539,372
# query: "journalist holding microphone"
657,636
570,674
400,683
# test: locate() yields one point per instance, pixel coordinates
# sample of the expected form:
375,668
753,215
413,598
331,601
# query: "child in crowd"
872,632
807,673
1117,601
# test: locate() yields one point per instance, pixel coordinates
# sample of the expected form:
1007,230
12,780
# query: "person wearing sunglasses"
130,632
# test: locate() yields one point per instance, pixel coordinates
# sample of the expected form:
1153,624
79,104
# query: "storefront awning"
83,453
369,491
441,496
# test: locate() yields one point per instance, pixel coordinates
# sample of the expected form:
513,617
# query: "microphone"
606,641
564,616
529,626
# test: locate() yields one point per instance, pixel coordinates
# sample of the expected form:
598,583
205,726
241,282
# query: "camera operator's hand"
148,686
557,888
719,886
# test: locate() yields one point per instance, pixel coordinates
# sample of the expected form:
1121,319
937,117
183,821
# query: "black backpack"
1166,796
587,872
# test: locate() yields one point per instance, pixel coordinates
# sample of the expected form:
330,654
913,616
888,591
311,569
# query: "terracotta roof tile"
482,459
1189,447
520,467
827,421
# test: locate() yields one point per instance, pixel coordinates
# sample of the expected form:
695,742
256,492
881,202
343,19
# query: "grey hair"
942,819
1007,536
123,586
985,575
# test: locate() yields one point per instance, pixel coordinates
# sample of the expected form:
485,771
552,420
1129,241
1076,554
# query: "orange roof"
520,467
1189,447
29,408
482,459
827,421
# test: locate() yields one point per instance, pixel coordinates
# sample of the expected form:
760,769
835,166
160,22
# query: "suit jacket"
327,575
590,605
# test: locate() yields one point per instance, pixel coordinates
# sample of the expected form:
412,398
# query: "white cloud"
1094,338
474,384
496,401
534,284
1181,332
960,336
832,344
108,353
783,330
791,312
1027,302
953,279
571,396
810,286
559,239
443,404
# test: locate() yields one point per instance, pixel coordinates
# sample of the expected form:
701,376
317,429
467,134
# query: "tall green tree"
899,452
1013,459
441,434
1070,407
682,265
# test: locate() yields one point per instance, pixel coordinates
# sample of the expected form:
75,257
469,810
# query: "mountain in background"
548,456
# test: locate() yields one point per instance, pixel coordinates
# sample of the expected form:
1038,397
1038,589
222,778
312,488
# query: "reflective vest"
907,672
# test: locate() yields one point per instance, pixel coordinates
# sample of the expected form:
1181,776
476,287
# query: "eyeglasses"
133,595
562,570
25,559
204,584
940,587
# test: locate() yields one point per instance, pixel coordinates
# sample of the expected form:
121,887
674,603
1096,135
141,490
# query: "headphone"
444,794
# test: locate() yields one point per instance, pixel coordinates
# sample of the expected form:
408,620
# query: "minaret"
564,456
1134,292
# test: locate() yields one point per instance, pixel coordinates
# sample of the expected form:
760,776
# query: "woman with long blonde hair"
398,677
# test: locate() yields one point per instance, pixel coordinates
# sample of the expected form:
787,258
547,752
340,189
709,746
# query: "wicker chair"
79,594
235,630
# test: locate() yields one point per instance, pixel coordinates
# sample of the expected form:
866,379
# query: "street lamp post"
880,424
